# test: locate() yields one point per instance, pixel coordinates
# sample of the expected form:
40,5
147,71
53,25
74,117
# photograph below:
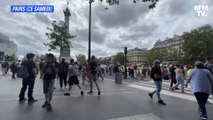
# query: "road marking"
168,93
148,87
148,116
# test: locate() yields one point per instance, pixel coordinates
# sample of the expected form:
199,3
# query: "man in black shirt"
157,77
62,73
30,80
93,75
172,76
13,68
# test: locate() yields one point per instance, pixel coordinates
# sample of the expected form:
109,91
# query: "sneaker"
49,107
32,101
203,117
90,92
45,104
151,95
99,92
82,93
67,94
22,100
161,102
177,88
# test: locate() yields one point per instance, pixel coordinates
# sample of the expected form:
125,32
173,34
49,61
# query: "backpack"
22,72
152,73
209,67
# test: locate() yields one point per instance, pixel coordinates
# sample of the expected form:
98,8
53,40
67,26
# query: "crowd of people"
48,70
199,76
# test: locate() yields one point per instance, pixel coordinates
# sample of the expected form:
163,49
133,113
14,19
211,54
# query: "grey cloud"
136,32
119,16
43,18
27,28
96,36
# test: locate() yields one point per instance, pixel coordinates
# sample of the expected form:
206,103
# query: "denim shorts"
48,86
93,77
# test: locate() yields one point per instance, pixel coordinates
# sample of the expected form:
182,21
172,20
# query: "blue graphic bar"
32,8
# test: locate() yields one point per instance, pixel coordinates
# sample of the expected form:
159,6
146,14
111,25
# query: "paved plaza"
128,101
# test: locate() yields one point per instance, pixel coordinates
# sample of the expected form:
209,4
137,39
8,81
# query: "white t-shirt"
73,70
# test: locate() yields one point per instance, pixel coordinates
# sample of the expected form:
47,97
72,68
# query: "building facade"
7,47
172,45
137,56
175,42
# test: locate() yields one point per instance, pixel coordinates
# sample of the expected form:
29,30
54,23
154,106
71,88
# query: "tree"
119,57
164,54
116,2
58,36
10,57
198,44
105,61
81,58
152,55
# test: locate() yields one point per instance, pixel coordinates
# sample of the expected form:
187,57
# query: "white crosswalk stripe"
150,86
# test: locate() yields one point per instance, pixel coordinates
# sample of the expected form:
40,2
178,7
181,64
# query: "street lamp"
89,42
89,37
125,62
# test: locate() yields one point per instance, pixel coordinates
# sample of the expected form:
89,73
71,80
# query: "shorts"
48,86
93,77
73,80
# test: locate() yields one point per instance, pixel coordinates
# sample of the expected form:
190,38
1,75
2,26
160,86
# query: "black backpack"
209,67
152,73
23,72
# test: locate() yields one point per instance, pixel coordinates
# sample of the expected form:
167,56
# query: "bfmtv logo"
201,10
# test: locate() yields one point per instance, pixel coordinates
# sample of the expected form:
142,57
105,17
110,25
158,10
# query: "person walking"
172,76
93,75
49,72
157,76
73,77
13,68
29,81
201,81
41,65
84,73
62,73
179,77
100,73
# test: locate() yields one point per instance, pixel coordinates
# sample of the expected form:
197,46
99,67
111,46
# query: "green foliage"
105,61
10,57
152,55
119,57
81,58
164,54
198,44
58,36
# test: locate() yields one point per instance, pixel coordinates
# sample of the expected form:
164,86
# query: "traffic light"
125,50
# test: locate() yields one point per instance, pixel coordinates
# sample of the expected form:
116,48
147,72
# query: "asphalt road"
128,101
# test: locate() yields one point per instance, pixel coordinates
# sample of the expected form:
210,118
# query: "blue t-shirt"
200,81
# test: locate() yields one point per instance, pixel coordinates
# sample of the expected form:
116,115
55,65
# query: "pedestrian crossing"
149,85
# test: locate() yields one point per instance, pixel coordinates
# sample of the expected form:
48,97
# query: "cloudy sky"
130,25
